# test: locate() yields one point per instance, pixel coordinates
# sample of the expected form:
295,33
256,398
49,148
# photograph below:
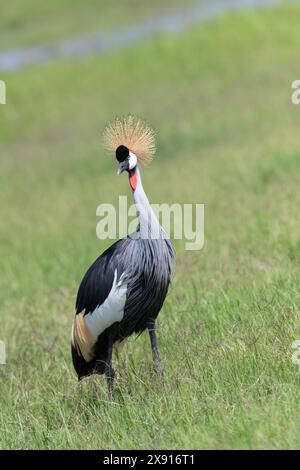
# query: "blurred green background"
219,97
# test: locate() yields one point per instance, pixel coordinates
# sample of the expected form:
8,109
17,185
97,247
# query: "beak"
123,167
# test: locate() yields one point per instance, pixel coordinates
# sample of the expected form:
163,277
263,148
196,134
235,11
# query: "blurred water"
15,59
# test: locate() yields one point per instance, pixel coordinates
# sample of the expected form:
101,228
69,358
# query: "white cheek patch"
111,311
132,160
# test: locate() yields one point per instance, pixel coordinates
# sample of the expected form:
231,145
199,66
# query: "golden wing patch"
82,338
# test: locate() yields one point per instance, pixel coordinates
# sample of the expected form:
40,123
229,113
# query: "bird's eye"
122,153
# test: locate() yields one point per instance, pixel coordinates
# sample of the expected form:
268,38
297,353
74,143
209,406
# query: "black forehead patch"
122,153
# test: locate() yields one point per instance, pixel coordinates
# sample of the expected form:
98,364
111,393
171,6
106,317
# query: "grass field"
28,22
228,136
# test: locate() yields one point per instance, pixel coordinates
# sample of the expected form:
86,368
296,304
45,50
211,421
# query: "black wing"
98,280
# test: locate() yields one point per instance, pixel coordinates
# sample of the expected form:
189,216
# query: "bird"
124,290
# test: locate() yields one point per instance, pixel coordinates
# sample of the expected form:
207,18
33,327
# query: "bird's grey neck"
149,226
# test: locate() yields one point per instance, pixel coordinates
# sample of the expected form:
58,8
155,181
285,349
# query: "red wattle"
133,180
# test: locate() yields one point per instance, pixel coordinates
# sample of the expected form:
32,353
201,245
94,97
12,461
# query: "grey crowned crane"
124,289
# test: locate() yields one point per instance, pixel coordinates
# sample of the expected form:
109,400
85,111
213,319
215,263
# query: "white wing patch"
111,311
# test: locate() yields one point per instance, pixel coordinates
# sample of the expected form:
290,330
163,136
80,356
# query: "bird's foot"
159,368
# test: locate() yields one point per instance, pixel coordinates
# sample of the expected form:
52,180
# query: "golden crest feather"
134,134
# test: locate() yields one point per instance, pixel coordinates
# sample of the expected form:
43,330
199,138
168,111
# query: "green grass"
28,22
228,136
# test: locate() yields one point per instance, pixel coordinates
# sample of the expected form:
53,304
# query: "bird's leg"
153,340
109,371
